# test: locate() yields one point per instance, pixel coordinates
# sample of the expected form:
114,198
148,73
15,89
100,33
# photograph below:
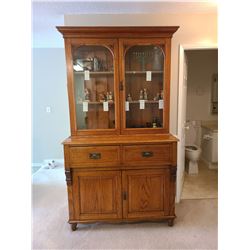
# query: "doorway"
197,107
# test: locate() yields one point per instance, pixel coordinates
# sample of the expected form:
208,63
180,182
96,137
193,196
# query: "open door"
181,122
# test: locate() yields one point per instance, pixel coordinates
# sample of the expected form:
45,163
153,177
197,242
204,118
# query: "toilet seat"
191,147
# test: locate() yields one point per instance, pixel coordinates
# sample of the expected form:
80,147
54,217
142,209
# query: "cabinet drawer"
147,154
94,156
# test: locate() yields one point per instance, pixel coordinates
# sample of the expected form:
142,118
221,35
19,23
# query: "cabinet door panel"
146,192
92,78
97,195
144,74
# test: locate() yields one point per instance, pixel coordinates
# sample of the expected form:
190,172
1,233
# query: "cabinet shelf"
146,101
96,103
142,72
94,73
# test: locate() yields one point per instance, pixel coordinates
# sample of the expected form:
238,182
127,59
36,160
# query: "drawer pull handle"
95,156
147,154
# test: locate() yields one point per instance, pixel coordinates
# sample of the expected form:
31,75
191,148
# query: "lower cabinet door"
97,195
146,193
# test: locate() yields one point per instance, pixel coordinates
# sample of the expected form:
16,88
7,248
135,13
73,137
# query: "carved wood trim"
68,177
125,31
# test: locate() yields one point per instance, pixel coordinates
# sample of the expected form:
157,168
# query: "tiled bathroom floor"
201,186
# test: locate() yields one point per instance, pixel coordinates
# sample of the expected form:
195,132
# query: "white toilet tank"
192,135
209,145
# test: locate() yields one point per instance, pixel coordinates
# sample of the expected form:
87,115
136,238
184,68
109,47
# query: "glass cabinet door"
93,81
144,86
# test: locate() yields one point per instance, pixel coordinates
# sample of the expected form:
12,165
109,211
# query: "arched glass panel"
144,81
93,68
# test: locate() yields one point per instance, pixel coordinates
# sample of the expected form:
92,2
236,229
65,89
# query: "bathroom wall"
202,64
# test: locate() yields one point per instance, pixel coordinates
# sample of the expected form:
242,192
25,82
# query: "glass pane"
144,76
94,87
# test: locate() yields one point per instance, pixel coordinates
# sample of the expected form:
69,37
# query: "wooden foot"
73,226
170,222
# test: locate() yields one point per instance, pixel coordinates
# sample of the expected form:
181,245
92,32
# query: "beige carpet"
195,226
204,185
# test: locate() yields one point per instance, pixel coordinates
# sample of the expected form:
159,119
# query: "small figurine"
129,98
102,97
161,95
86,95
141,95
145,94
154,123
110,96
156,98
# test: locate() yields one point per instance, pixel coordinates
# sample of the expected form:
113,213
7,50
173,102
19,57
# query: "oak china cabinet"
120,160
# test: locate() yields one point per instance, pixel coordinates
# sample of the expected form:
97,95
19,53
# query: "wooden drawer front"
94,156
147,154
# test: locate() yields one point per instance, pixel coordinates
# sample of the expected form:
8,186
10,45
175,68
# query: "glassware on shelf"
162,94
109,97
141,95
154,123
157,60
86,95
145,94
129,98
102,97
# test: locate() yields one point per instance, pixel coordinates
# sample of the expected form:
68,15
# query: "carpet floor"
195,226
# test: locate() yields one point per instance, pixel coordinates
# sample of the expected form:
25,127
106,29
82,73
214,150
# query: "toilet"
192,148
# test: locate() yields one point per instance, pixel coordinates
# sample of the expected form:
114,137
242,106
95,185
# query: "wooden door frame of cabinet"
167,53
108,43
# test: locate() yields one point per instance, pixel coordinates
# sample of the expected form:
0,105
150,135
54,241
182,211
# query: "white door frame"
182,49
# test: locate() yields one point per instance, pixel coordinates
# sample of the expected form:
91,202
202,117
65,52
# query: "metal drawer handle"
95,156
147,154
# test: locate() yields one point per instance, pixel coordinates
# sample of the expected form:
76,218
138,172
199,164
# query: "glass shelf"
146,101
142,72
95,72
96,103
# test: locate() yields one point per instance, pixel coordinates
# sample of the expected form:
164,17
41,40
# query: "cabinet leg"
170,222
73,226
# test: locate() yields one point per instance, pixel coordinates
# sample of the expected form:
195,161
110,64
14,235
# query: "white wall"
49,89
197,29
202,64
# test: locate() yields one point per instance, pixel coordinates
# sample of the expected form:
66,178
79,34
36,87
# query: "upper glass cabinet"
144,86
93,81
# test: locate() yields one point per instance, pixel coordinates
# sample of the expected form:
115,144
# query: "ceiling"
48,14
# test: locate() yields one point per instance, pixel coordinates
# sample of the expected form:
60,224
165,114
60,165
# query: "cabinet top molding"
117,31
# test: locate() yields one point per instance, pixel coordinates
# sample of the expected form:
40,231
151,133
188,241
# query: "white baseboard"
45,161
51,163
35,164
58,162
